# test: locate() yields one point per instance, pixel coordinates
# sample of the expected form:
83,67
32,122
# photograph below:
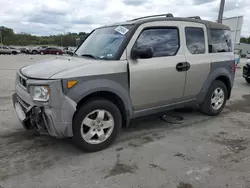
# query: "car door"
47,51
155,82
54,50
196,52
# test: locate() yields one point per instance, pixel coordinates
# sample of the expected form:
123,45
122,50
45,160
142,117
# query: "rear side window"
195,40
163,41
220,41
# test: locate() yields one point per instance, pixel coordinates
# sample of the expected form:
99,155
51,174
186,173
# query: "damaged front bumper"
53,117
33,117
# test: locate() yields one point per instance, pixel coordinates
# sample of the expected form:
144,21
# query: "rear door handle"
182,66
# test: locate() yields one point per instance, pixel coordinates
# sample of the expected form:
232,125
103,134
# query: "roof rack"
165,15
195,17
157,15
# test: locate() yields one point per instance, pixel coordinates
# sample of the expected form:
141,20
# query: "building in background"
235,24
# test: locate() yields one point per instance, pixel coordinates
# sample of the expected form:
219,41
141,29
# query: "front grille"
22,81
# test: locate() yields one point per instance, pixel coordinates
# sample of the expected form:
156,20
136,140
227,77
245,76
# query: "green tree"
244,40
10,38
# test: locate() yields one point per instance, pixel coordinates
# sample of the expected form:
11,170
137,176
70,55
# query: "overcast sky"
46,17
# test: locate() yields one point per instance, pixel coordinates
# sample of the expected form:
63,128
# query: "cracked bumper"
53,117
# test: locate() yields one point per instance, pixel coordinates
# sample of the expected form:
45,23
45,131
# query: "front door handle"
182,66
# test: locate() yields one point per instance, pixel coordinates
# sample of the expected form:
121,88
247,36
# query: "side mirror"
143,53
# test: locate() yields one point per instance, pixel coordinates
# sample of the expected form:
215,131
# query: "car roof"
196,19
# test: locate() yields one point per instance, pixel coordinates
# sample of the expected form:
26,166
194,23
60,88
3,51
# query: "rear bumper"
53,118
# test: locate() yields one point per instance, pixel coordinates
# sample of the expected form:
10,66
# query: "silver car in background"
9,50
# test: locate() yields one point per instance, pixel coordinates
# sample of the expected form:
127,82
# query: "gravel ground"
201,152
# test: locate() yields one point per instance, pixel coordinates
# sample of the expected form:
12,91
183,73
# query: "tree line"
8,37
245,40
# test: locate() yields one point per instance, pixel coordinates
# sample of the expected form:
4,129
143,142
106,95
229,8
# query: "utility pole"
221,10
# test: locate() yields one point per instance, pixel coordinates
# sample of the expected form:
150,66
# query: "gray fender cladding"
220,68
116,83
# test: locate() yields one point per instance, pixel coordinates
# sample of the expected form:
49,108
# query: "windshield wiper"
88,55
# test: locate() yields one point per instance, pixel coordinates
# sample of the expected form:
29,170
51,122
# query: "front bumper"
53,118
33,117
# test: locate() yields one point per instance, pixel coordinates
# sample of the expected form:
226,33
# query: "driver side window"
163,41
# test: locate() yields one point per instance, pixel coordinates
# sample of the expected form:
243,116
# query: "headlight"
40,93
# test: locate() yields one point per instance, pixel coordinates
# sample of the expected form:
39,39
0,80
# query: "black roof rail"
157,15
195,17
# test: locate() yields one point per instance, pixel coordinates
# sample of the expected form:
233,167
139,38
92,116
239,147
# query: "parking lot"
202,152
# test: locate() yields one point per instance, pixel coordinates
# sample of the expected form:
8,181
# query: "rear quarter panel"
222,64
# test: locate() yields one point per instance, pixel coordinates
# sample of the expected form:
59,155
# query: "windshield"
103,43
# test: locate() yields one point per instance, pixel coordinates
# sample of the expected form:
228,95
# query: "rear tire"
14,53
102,117
215,99
248,80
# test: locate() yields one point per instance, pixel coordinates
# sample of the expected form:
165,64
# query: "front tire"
96,125
215,99
248,80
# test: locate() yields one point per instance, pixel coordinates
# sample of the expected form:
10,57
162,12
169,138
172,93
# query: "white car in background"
69,50
4,50
9,50
14,51
248,55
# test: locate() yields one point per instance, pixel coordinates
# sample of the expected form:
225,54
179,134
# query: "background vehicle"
68,50
248,55
14,51
36,50
51,51
24,50
246,71
145,66
4,50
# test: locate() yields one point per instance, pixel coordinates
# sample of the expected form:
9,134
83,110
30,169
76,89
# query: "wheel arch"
219,74
226,81
110,96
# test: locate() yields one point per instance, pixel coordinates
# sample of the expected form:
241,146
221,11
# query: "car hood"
65,67
45,69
